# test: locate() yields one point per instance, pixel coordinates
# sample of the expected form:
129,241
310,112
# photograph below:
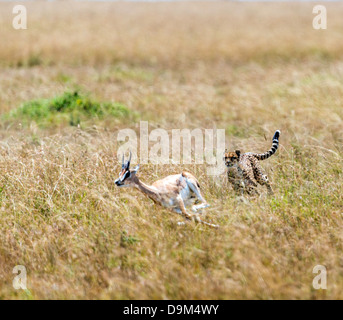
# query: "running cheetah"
244,170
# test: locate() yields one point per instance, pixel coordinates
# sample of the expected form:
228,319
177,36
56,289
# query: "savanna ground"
247,68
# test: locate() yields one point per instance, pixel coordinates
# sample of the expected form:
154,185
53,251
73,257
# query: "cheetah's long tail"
275,145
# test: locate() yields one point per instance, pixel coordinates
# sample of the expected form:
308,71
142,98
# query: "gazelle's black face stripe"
122,177
125,172
125,176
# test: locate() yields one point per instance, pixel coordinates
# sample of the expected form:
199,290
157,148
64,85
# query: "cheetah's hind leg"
262,179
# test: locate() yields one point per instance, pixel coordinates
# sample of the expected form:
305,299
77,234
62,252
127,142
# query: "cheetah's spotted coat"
244,170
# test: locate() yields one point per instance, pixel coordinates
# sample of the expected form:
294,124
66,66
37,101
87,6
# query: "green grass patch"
126,239
71,108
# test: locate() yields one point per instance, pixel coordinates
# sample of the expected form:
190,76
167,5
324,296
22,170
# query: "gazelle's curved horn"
128,162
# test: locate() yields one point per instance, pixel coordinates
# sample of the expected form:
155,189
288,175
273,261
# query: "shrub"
71,107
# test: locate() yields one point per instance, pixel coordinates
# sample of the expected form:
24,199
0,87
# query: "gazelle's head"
126,176
231,158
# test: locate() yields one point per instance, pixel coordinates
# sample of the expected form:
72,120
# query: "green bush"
71,107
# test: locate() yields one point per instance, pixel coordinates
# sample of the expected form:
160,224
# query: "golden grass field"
247,68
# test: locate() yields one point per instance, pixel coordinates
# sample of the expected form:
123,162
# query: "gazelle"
175,192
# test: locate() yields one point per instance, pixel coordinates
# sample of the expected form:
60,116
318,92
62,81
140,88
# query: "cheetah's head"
232,158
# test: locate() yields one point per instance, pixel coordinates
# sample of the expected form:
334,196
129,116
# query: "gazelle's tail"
269,153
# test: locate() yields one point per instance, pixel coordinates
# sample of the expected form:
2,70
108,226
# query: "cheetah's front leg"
250,185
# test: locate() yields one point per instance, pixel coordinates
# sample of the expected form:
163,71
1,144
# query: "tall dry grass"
247,68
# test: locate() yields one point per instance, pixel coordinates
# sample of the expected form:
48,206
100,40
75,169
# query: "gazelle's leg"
195,208
188,216
177,210
197,192
207,223
183,208
203,205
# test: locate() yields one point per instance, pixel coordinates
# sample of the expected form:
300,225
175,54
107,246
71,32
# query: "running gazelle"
175,192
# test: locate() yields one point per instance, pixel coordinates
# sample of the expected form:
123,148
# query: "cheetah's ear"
238,152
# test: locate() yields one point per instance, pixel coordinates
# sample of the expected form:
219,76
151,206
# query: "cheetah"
244,170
